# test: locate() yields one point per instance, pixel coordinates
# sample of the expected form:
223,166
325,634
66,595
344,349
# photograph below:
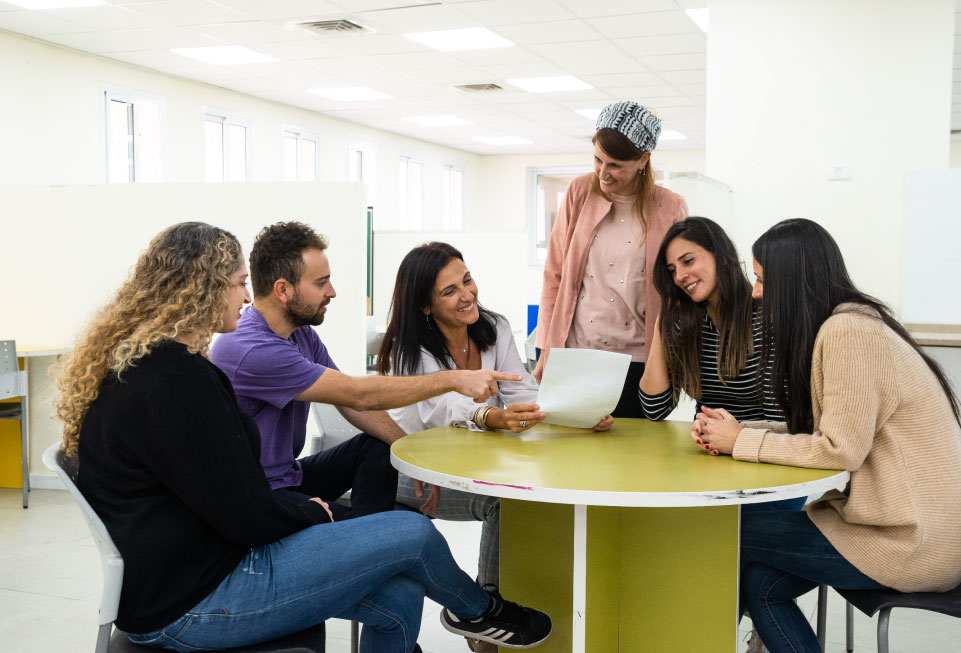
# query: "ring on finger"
523,423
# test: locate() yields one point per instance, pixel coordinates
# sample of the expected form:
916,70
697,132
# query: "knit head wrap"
634,121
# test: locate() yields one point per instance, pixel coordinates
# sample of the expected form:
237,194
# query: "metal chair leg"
24,453
884,618
822,614
849,625
354,636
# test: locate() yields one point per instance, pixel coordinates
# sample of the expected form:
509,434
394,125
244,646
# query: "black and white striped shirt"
740,396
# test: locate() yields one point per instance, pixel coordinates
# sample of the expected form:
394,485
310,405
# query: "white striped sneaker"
505,624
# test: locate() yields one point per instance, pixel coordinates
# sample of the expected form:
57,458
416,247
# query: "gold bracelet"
480,416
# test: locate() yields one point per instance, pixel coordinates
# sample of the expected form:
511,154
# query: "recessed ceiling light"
350,93
590,114
445,120
699,16
471,38
55,4
224,55
549,84
671,135
502,140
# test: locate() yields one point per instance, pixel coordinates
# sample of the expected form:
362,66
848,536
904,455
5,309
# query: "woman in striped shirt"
708,339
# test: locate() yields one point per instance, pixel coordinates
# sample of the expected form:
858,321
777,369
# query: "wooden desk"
628,539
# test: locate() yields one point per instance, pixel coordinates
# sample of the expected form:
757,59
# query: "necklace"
467,357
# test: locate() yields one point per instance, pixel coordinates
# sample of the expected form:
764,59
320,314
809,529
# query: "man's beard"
300,313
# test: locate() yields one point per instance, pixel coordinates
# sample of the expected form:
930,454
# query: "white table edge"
623,499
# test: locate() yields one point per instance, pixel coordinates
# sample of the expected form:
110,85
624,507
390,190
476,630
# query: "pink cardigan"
571,238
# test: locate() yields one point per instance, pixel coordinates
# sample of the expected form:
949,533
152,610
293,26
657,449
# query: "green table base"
657,579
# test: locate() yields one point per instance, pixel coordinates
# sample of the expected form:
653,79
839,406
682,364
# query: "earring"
427,317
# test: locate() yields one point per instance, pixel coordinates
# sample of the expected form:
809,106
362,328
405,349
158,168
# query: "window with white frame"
452,189
226,146
548,186
133,123
360,167
409,193
300,155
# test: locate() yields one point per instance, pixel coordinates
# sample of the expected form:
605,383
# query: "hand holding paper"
580,386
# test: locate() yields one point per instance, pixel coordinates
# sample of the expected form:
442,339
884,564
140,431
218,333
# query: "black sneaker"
505,624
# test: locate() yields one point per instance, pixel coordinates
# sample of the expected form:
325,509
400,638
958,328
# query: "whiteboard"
66,249
932,247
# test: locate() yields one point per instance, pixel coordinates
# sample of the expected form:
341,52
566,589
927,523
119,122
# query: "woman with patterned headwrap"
598,288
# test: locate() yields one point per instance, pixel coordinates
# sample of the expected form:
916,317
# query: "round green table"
628,539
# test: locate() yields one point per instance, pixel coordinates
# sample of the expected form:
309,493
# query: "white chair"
530,350
13,384
111,640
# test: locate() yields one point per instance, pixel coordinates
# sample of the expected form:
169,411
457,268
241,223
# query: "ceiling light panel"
444,120
225,55
700,17
471,38
350,93
671,135
550,84
590,114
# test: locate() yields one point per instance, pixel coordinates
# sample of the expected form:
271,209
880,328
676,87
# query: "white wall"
52,129
796,86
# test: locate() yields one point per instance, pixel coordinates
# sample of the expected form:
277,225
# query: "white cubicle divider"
932,233
72,246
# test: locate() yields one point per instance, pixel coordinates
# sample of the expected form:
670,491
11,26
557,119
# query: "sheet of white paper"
580,386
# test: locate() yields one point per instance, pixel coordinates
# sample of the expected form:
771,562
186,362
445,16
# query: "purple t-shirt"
267,372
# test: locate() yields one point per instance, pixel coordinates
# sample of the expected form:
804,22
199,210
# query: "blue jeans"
784,555
375,569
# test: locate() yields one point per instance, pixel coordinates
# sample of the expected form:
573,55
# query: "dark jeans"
784,555
629,405
361,465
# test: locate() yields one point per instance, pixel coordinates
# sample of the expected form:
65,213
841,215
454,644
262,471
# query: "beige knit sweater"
879,413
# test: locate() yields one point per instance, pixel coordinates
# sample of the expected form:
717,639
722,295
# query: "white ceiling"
646,50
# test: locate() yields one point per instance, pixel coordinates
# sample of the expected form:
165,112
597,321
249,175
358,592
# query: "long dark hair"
408,330
681,318
805,279
618,146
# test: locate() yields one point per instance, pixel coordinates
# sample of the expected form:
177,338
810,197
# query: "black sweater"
170,463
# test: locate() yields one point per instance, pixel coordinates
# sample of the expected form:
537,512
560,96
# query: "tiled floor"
50,588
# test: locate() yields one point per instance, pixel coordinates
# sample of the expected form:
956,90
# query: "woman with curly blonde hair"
170,463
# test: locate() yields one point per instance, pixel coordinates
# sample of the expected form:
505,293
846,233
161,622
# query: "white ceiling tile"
512,12
285,10
497,56
191,12
544,69
685,76
38,23
366,44
669,62
653,24
417,19
562,31
106,18
253,32
617,7
166,38
614,80
598,53
98,42
300,50
658,45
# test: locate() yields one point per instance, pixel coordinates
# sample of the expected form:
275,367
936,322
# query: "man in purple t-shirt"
278,365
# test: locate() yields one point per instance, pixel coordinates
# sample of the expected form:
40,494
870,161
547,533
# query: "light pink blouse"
610,308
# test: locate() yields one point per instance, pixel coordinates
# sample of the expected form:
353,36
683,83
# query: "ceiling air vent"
328,27
474,88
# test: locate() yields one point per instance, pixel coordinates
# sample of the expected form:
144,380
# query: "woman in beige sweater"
860,395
